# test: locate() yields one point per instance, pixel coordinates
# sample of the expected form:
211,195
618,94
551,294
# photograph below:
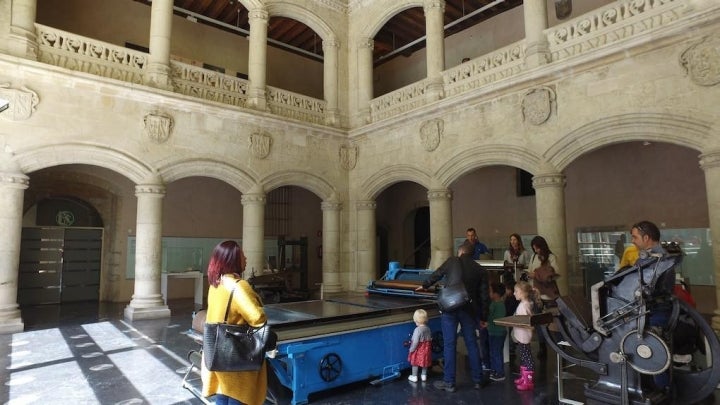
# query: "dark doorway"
422,237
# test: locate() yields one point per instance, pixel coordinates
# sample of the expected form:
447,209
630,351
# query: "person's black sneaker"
496,377
442,385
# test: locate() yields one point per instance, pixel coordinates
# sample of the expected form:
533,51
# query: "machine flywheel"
646,354
330,367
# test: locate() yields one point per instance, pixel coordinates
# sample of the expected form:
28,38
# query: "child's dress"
420,354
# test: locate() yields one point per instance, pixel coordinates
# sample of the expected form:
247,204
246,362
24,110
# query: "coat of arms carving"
348,156
431,132
22,102
702,61
260,144
537,105
158,127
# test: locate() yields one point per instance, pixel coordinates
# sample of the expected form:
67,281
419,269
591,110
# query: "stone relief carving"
348,156
158,127
537,105
260,144
701,61
23,102
430,133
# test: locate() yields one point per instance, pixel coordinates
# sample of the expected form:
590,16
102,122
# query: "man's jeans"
497,345
468,325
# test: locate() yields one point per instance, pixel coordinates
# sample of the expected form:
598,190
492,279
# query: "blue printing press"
324,344
344,340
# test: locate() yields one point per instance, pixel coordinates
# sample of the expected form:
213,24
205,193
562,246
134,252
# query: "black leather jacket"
465,270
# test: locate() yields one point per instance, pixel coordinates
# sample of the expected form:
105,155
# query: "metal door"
59,265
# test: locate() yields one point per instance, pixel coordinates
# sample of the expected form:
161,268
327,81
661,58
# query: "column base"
332,117
133,314
13,325
22,43
434,91
330,288
158,76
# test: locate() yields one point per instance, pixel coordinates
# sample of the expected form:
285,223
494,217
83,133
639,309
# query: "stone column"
435,50
330,75
550,206
257,59
12,191
253,234
365,79
158,69
366,264
147,301
537,50
22,40
710,163
441,240
331,246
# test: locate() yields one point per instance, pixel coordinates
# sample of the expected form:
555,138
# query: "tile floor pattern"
88,354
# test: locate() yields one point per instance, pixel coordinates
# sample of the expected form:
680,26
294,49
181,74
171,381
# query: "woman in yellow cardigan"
224,272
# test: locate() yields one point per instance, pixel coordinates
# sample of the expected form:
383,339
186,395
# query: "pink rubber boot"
528,384
523,371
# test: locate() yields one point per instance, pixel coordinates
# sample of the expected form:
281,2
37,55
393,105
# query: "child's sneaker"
423,377
497,377
412,378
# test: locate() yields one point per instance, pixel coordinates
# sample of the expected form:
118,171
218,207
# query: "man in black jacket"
462,269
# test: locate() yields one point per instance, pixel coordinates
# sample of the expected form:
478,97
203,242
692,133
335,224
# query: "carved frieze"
157,127
701,61
348,156
430,133
260,144
23,102
537,105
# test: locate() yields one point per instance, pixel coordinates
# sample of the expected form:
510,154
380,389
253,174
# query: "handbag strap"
227,309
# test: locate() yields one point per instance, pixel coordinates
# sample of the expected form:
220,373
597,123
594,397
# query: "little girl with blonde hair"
419,355
524,293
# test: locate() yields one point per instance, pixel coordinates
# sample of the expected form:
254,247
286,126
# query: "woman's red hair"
226,258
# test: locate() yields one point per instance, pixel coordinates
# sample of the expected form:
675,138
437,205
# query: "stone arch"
251,4
305,16
234,176
78,153
394,7
306,180
655,127
487,155
388,176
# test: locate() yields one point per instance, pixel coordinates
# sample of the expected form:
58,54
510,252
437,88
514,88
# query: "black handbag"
453,297
228,347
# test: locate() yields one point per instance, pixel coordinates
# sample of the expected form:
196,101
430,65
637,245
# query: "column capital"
710,160
253,199
258,14
366,43
14,180
330,206
548,180
158,189
440,194
330,44
431,5
366,205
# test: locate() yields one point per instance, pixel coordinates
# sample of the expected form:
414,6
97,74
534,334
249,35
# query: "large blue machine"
333,342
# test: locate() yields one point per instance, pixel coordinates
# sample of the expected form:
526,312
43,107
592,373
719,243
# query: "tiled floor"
88,354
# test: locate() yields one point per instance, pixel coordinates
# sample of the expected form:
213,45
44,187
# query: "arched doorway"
61,252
